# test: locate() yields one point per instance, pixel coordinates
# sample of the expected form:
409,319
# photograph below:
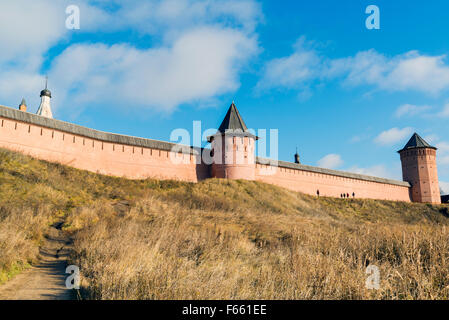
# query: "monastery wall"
331,183
96,151
138,158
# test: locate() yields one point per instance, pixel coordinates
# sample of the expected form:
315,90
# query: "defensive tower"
233,148
419,168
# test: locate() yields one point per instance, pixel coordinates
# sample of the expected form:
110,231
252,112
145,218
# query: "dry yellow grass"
245,240
35,194
222,239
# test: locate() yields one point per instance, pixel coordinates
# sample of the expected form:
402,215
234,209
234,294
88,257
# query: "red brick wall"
233,157
329,185
97,156
419,168
140,162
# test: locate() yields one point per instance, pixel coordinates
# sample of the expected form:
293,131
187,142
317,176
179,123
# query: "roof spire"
232,120
46,92
233,124
297,156
45,107
23,105
416,142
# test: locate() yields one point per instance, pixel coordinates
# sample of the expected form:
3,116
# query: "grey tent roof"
23,103
416,142
233,124
232,121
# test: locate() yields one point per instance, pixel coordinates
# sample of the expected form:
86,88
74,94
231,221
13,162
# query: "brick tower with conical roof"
419,168
233,148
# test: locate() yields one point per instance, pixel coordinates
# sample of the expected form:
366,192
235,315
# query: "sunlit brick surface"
419,168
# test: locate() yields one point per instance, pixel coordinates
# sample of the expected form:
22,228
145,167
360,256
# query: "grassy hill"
219,239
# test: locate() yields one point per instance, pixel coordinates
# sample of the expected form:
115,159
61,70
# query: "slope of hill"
219,239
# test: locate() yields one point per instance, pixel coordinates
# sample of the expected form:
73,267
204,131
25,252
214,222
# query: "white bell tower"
45,107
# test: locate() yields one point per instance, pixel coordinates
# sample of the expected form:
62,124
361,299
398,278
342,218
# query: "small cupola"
45,106
297,157
23,105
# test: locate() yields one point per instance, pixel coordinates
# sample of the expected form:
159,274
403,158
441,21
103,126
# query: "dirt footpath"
46,280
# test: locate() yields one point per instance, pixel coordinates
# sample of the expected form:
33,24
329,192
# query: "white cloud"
27,30
293,71
410,110
443,147
444,187
202,63
393,135
356,139
204,47
445,111
365,67
431,138
408,71
442,153
331,161
152,16
417,72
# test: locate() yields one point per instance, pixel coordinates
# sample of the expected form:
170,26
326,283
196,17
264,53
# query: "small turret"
45,107
297,157
233,148
23,105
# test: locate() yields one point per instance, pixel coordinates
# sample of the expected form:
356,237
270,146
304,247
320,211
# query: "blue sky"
346,96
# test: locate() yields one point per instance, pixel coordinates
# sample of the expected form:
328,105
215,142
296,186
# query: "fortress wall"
105,157
332,183
138,158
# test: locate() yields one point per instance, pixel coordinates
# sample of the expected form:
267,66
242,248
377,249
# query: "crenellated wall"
138,158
